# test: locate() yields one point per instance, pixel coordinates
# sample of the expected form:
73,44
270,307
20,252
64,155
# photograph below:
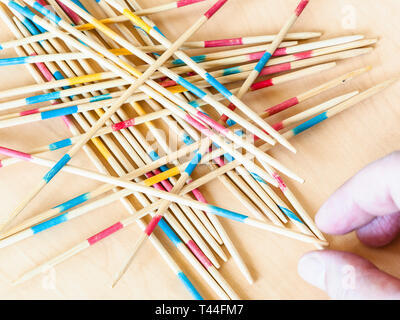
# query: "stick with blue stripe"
274,45
280,125
84,197
189,86
154,156
170,261
136,187
155,33
70,92
104,201
87,243
178,79
167,185
157,48
179,112
301,128
87,104
284,188
213,136
307,125
184,136
295,131
67,157
162,208
117,51
63,207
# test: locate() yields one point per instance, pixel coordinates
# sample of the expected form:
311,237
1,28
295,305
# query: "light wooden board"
327,156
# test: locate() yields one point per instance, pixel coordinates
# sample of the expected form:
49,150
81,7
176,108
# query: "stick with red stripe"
163,207
344,47
268,54
248,40
284,49
245,87
274,45
314,92
195,67
45,112
139,81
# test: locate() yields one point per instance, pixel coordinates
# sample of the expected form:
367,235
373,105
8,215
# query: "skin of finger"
374,191
344,275
381,231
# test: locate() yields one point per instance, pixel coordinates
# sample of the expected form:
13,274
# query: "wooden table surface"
327,155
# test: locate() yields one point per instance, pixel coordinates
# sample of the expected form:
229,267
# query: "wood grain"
327,156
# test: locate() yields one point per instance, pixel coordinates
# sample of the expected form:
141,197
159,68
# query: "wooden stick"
159,37
313,111
308,124
51,112
157,48
37,114
172,264
275,61
108,75
153,239
120,52
161,210
214,219
314,91
243,40
151,152
175,209
67,157
257,51
63,207
274,45
168,105
267,71
167,72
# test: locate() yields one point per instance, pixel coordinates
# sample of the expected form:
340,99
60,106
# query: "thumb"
344,275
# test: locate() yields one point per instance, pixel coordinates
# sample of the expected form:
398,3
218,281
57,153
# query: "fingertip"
312,270
373,191
381,231
340,214
344,275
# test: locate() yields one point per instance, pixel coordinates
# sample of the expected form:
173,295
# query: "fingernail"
312,270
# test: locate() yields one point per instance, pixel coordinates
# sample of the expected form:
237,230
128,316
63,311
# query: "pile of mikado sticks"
121,65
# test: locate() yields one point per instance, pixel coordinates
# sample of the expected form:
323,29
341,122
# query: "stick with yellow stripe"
66,158
156,34
167,72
